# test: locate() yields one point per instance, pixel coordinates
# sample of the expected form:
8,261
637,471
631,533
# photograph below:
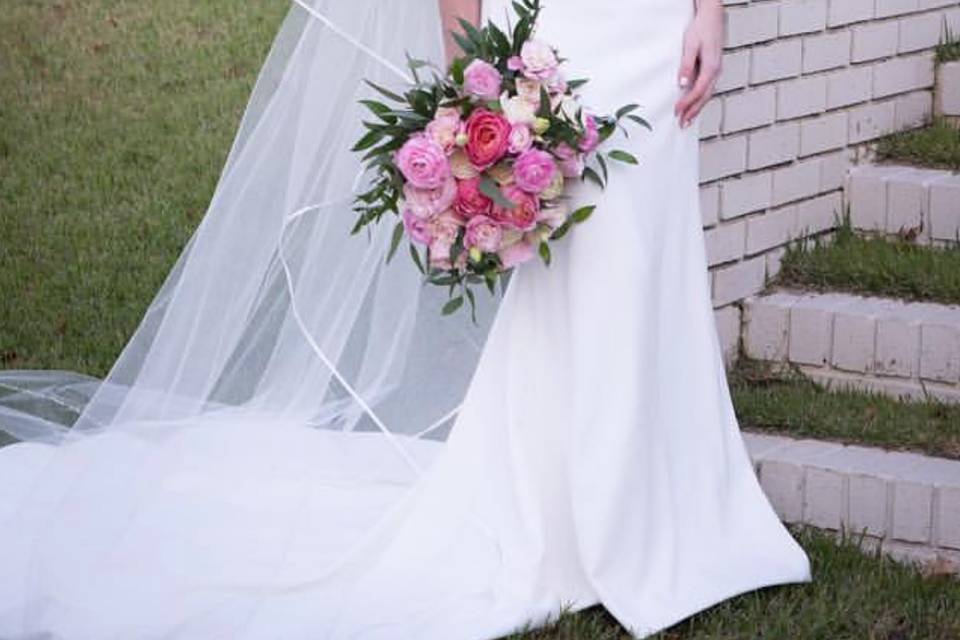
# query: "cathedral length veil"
274,325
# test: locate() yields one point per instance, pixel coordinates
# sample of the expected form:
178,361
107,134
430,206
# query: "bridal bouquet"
476,160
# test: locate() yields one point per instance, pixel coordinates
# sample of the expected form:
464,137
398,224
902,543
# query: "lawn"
936,145
115,119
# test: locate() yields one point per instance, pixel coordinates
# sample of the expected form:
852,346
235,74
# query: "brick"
940,352
724,243
823,133
774,61
710,204
919,32
819,214
727,321
743,195
811,331
913,110
868,505
783,484
734,70
948,517
708,121
912,511
801,97
867,195
826,51
948,88
898,347
854,337
905,201
849,86
772,229
841,12
945,209
871,121
750,24
902,74
720,158
874,40
802,16
773,145
823,503
799,180
749,109
738,281
766,327
889,8
833,169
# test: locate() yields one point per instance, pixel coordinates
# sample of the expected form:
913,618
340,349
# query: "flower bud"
462,139
540,126
475,254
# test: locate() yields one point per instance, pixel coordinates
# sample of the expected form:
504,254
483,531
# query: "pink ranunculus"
444,227
516,253
483,233
572,167
416,227
523,216
425,203
521,138
444,127
440,254
470,201
591,138
423,162
533,170
482,80
539,60
488,137
515,63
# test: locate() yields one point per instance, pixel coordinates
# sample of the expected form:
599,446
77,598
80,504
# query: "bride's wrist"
713,6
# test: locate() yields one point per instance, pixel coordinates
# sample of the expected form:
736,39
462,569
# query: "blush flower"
482,80
521,138
470,201
517,110
516,253
539,60
423,162
533,170
483,233
591,138
488,137
444,127
416,227
523,216
425,203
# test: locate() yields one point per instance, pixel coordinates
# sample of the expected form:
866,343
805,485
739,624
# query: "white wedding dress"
596,457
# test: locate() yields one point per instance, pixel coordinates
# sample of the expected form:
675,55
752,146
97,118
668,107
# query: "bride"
296,444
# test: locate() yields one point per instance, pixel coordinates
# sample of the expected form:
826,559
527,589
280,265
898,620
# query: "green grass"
948,49
936,145
854,596
893,267
115,120
788,403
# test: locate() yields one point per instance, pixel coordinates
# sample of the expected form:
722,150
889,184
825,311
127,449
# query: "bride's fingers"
697,106
692,97
688,61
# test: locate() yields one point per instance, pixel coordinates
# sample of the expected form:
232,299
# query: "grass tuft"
935,146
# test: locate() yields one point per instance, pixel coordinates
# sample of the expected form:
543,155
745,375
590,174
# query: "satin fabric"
596,458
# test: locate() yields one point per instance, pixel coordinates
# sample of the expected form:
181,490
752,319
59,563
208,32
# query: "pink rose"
523,216
553,216
416,227
444,227
483,233
470,201
591,138
515,63
488,137
533,171
571,162
557,84
427,202
423,162
529,90
482,80
539,60
444,127
521,138
516,253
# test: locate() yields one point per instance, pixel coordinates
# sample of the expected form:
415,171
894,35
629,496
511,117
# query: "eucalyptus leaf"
623,156
395,241
452,305
492,190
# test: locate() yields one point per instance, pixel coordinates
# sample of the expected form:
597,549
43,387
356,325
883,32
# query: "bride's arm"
700,66
450,10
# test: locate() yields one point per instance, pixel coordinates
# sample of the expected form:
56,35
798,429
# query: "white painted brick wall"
804,84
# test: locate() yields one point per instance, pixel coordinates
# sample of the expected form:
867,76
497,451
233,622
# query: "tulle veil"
274,315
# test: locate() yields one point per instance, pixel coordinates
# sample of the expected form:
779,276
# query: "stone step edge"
893,198
907,504
897,347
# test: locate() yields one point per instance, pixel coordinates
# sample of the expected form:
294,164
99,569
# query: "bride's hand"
701,61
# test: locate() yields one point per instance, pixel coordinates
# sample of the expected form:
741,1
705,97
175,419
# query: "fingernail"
684,81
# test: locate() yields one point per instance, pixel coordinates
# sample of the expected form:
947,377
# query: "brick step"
907,504
903,349
922,204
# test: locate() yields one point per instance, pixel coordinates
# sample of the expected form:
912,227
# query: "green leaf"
452,305
492,190
473,303
581,214
381,110
395,241
386,92
562,230
416,258
603,167
622,111
545,252
464,44
640,121
623,156
367,141
593,176
573,85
